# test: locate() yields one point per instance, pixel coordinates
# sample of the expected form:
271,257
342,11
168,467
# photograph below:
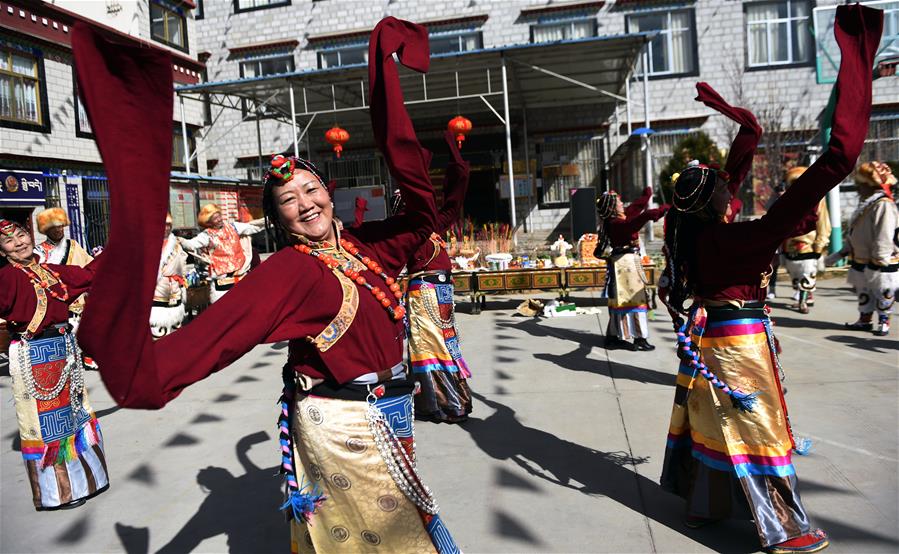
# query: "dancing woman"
61,442
628,300
434,349
729,439
346,421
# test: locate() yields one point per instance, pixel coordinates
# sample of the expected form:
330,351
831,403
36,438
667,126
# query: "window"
447,42
178,148
167,25
23,96
565,164
259,67
673,50
249,5
778,33
199,12
82,123
347,54
563,30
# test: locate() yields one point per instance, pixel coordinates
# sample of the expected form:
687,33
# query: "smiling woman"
61,442
346,423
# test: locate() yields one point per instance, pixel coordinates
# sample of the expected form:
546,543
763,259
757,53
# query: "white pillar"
184,137
293,123
648,159
509,149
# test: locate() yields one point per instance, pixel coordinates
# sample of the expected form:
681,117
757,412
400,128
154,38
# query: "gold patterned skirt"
342,457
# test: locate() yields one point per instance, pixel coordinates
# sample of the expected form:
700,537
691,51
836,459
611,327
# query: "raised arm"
455,186
633,224
857,31
742,149
638,205
395,136
127,89
195,244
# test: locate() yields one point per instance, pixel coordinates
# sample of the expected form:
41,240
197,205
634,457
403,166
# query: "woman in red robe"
61,442
346,412
626,283
729,441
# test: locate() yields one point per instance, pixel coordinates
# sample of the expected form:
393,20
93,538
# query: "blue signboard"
21,188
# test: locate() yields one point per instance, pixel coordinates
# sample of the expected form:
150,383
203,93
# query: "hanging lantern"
337,137
459,126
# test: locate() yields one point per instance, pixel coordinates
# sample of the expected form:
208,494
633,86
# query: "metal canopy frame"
591,71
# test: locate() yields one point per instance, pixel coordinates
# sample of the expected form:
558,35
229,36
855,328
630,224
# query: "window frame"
694,42
163,40
200,11
275,4
789,20
42,126
79,132
571,20
353,45
459,34
244,107
192,145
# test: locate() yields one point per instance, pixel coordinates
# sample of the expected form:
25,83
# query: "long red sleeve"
742,149
637,206
395,136
623,232
455,187
732,256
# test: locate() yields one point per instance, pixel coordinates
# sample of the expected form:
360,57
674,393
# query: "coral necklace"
38,274
396,312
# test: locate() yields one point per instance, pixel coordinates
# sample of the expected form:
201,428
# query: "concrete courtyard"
562,453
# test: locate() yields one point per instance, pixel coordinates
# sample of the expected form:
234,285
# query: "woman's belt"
857,266
356,392
892,268
803,256
750,310
55,330
434,277
624,250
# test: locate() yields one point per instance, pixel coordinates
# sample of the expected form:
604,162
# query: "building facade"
47,151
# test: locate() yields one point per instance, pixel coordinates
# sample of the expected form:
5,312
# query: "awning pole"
627,94
648,159
259,142
186,155
293,123
509,150
527,163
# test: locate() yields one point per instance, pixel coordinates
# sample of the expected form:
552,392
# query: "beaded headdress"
693,187
606,203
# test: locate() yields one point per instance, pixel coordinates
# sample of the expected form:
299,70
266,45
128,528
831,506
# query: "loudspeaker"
583,212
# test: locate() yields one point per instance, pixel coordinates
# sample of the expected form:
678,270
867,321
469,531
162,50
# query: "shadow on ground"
593,472
578,360
243,507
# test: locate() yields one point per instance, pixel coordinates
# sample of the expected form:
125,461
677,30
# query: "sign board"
21,188
345,203
827,53
524,186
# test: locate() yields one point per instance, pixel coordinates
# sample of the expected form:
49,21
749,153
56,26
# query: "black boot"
614,343
643,345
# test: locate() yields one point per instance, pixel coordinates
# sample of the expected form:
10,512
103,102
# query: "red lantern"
337,137
459,126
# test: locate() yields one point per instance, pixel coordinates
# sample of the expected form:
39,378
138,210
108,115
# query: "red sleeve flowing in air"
394,240
455,186
733,256
128,93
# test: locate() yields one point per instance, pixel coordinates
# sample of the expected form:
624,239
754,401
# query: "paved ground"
563,453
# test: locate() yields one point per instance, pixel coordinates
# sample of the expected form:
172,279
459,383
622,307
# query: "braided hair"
606,207
280,172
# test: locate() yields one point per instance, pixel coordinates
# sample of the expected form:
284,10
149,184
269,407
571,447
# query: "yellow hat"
206,213
51,217
875,174
793,173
